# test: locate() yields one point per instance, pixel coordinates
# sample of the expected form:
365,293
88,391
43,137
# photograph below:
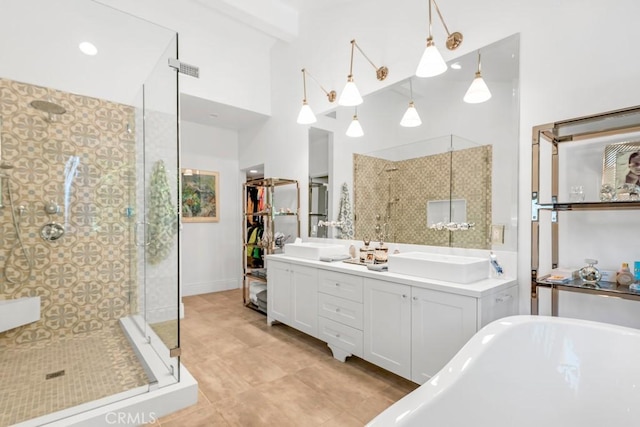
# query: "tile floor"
95,365
250,374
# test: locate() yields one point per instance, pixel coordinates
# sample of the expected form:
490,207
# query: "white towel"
345,215
254,289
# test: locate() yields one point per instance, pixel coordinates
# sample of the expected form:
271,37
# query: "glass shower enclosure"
89,245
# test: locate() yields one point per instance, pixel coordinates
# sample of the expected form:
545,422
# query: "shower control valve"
52,231
52,208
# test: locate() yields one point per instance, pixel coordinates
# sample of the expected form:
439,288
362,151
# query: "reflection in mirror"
455,151
411,196
319,200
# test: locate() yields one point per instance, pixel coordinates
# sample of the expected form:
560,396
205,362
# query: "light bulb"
306,116
411,117
431,64
478,91
350,95
355,130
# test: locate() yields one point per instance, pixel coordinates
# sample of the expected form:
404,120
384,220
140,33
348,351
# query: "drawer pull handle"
503,298
404,296
337,310
337,335
337,284
415,298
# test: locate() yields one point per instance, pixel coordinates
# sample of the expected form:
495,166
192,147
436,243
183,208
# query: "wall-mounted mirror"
319,182
443,182
462,159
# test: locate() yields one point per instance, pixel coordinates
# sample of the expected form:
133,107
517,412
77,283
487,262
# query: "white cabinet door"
279,292
387,326
441,324
304,299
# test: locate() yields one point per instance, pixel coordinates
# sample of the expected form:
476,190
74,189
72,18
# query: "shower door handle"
145,240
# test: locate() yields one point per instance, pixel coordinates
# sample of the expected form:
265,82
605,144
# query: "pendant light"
478,91
411,118
355,130
350,95
431,63
306,116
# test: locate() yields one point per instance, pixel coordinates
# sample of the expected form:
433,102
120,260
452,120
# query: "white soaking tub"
531,371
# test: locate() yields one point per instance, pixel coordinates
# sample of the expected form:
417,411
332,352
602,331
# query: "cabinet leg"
270,321
338,353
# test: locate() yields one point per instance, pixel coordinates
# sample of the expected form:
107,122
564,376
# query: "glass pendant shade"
355,130
431,64
306,116
350,95
411,118
478,91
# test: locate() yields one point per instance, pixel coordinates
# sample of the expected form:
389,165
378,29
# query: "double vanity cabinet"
404,324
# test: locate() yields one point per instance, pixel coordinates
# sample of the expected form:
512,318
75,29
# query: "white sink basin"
18,312
313,250
451,268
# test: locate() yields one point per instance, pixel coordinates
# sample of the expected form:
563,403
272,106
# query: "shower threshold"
141,405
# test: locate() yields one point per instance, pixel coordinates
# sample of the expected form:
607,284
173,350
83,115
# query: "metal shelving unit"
605,124
274,218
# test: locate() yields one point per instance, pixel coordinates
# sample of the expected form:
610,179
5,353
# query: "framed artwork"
620,164
200,196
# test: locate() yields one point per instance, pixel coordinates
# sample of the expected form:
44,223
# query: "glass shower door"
157,202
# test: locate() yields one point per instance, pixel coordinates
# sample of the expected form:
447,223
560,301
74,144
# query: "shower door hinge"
175,352
184,68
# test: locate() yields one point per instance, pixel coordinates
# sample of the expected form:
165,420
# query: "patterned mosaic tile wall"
472,170
396,194
84,278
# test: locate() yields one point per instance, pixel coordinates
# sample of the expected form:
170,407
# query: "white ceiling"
210,113
43,48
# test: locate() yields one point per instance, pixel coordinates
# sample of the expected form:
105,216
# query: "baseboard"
189,289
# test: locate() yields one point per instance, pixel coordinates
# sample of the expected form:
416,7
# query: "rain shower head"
48,107
388,168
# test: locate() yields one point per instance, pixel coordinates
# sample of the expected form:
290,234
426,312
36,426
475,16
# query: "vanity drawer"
341,310
496,306
344,337
341,285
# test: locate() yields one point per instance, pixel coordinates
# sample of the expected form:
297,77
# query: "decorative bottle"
624,277
589,273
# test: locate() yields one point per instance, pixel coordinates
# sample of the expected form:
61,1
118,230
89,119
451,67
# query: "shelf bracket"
534,206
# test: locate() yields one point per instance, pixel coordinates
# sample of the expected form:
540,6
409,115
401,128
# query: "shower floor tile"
81,369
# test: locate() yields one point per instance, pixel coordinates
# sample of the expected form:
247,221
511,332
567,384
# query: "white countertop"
478,289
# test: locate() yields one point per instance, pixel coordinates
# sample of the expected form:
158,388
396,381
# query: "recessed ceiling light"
456,66
253,171
88,48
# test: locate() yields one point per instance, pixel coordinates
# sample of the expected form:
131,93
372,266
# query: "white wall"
234,59
572,64
211,252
